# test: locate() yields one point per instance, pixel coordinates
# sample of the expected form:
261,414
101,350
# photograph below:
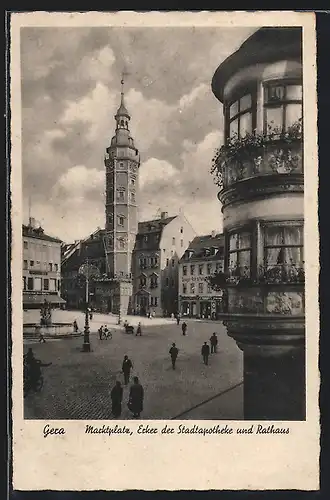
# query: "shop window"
282,105
184,270
240,254
30,284
241,116
200,287
46,284
283,251
201,269
192,270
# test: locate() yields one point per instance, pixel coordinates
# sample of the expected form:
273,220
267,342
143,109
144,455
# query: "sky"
70,93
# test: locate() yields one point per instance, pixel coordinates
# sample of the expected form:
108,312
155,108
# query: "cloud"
154,170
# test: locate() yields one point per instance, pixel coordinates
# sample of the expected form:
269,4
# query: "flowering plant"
240,149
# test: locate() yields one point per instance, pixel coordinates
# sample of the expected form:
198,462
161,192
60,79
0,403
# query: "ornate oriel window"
239,262
283,258
241,116
282,104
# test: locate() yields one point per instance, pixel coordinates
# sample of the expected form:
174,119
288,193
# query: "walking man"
135,401
100,330
174,351
206,353
138,330
184,328
178,317
75,326
214,343
126,368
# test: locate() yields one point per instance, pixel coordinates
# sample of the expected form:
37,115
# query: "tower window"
121,165
121,220
173,241
120,195
132,182
133,197
181,230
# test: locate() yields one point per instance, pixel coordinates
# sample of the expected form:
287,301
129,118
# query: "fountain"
46,328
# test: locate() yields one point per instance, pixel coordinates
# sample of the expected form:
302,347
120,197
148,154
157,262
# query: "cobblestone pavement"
77,385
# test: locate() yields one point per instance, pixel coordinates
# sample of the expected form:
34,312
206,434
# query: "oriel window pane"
233,110
294,92
274,236
293,236
246,102
245,124
293,114
275,117
233,128
232,261
244,240
233,241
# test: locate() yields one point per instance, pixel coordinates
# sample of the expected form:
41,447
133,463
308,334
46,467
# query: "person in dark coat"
100,330
214,343
136,395
174,351
178,317
116,399
139,330
75,326
126,368
184,328
206,353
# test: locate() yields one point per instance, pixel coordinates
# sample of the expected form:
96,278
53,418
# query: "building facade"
259,171
41,267
159,245
203,258
88,252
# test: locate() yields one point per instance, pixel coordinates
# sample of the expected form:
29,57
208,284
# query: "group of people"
104,332
136,392
130,329
205,351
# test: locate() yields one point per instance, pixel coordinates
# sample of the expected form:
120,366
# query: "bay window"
282,105
239,263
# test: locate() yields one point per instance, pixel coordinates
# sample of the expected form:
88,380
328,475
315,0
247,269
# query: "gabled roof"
38,233
197,249
155,225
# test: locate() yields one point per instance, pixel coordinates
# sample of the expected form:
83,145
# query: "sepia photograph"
163,256
164,179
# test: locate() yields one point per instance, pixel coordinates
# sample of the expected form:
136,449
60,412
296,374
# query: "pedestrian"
214,342
184,328
174,351
105,331
100,330
126,368
75,326
178,317
116,399
41,337
138,330
135,400
206,353
172,315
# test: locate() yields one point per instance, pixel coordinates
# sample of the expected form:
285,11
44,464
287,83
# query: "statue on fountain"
46,314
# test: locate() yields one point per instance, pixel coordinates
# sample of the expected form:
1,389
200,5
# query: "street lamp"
86,345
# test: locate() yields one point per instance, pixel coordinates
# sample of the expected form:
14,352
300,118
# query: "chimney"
163,215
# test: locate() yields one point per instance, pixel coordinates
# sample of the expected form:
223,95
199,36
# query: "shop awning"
31,298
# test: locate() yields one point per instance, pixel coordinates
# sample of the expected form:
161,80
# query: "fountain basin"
55,330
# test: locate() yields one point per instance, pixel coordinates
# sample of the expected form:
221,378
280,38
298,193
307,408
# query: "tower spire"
122,110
